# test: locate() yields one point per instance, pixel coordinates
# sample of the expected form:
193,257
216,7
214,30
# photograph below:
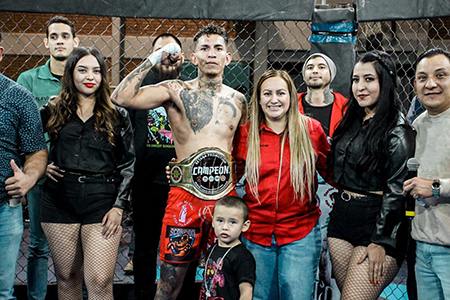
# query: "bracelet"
119,212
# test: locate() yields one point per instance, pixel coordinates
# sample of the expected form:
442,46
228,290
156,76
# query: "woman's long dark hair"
375,145
65,105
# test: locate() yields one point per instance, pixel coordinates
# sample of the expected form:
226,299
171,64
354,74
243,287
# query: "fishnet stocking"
340,253
69,244
100,257
65,246
354,279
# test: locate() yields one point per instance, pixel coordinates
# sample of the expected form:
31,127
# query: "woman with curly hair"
369,152
92,163
280,151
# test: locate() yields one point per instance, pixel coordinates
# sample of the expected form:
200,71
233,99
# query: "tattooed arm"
129,94
242,102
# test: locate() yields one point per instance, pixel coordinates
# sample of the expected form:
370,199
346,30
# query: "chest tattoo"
199,108
226,112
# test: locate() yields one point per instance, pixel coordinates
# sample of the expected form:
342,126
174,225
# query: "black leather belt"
94,178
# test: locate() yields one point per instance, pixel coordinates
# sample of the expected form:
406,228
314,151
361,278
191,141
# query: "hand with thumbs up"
18,185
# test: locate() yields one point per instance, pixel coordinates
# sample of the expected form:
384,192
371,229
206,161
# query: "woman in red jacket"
280,150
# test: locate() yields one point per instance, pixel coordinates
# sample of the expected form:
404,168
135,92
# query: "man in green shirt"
44,82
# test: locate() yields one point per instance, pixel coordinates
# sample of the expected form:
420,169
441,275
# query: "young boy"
230,267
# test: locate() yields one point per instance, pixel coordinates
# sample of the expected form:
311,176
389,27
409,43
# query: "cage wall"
255,47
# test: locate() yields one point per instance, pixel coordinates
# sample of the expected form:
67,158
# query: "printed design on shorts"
176,174
180,243
211,173
213,277
205,213
183,217
158,128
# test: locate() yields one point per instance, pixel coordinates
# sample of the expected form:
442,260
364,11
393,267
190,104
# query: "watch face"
436,184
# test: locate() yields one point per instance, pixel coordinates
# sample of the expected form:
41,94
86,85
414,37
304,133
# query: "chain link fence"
255,47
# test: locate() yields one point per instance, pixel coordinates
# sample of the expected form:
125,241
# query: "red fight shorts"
186,228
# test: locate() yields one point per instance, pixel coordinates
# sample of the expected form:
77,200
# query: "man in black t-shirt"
320,103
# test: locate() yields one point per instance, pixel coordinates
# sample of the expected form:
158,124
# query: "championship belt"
209,173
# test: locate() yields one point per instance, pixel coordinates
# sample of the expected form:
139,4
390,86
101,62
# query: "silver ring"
346,196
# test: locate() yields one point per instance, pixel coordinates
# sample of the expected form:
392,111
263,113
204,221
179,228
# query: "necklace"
219,264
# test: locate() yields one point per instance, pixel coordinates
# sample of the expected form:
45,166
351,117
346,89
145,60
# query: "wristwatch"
436,187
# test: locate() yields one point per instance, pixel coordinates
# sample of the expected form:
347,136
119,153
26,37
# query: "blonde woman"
280,150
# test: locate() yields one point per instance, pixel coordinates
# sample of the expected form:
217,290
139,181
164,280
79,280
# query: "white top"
431,223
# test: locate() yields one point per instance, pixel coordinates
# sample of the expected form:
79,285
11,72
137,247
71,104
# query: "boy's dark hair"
234,201
63,20
209,30
1,37
430,53
166,35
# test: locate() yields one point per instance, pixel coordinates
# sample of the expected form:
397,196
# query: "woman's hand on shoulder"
376,255
111,222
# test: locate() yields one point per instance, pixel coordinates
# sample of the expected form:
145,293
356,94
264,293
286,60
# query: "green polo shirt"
41,82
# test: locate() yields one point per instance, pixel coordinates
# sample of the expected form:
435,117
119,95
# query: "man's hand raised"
167,55
18,185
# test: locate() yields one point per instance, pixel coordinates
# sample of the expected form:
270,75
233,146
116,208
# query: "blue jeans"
11,230
38,250
432,271
288,271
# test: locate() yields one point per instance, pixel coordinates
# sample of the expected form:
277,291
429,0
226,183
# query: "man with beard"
328,108
154,149
44,82
319,102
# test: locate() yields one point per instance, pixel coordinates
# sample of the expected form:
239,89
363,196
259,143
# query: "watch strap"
436,187
436,193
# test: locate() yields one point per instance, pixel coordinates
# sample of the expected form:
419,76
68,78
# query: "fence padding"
261,10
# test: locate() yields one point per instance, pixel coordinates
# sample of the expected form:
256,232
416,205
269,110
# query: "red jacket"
290,220
337,111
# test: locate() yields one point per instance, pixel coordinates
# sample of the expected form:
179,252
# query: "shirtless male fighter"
204,171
